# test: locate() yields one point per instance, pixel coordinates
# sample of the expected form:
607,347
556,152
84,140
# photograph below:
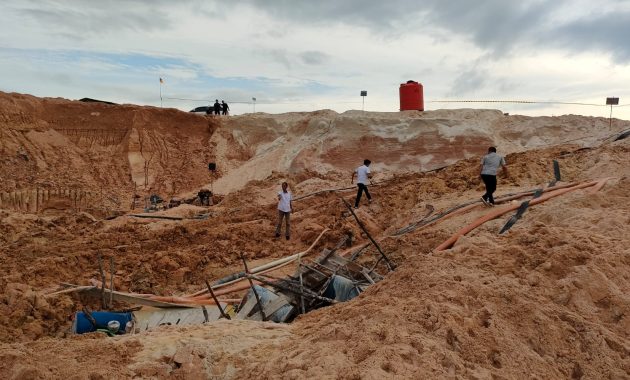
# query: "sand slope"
548,299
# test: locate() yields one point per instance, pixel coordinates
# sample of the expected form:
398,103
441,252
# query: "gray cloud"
369,13
78,18
486,21
314,57
468,82
279,56
499,26
492,24
607,33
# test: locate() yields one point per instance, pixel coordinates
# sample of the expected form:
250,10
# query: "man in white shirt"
284,209
490,164
363,175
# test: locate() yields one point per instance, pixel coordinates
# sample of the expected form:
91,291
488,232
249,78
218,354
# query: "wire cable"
516,101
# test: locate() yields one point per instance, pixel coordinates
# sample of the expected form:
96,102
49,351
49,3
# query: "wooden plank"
130,299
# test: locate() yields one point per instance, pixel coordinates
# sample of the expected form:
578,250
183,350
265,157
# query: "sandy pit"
548,299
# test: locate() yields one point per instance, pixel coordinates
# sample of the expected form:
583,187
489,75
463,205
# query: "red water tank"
411,96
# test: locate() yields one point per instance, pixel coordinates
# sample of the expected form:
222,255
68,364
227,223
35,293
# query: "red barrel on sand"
411,96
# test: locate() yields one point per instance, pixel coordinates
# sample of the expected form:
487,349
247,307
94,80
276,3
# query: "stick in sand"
205,314
214,297
251,284
111,282
100,269
390,265
301,285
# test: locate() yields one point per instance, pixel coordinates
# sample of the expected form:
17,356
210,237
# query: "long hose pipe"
500,211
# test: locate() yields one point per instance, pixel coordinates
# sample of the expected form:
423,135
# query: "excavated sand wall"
74,149
38,200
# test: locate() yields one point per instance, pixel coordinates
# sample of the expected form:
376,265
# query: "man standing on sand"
363,174
224,107
490,164
217,107
284,210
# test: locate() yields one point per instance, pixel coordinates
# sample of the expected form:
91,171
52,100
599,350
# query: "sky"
296,55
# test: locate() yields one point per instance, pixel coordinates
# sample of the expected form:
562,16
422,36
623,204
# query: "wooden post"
100,269
205,314
214,297
390,265
111,281
251,284
301,285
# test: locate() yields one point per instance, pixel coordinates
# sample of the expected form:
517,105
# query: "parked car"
201,110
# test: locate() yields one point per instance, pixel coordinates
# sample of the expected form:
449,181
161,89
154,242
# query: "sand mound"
550,299
253,147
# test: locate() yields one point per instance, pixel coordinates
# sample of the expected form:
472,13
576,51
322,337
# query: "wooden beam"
251,285
390,265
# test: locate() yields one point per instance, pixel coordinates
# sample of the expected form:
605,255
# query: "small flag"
161,80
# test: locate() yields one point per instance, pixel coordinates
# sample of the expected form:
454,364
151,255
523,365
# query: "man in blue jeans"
490,164
363,175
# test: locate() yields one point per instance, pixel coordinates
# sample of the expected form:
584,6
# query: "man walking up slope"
363,175
490,164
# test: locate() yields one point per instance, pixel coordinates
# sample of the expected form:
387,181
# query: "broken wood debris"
325,280
251,284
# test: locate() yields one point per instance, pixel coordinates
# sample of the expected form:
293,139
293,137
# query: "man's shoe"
356,207
287,238
277,235
485,202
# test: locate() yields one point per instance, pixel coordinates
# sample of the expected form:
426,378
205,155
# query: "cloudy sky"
306,55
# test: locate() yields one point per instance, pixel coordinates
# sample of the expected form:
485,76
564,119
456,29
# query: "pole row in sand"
35,200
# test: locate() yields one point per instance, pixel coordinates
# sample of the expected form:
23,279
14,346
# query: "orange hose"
599,185
500,200
498,212
503,200
545,190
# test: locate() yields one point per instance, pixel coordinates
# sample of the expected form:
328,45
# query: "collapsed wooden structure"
324,280
327,279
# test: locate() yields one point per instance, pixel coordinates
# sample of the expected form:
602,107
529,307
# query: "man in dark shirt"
217,107
225,107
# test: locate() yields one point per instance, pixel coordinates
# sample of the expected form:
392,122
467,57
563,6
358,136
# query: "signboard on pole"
612,101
